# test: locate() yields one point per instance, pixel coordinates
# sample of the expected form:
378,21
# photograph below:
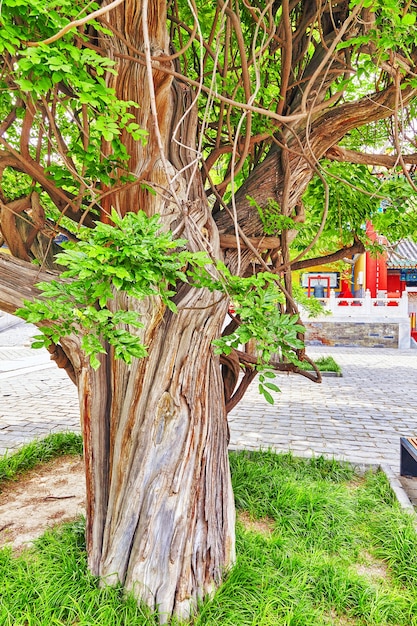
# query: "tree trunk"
160,510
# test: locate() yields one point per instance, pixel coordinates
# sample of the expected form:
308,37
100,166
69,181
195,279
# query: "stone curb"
398,489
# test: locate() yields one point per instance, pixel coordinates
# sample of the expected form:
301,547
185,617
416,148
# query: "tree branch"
17,282
357,248
75,24
62,200
337,153
306,147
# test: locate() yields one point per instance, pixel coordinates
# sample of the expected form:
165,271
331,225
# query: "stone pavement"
358,418
36,398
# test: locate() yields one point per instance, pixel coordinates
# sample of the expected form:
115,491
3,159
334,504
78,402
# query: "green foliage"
356,196
397,215
353,199
69,80
17,183
257,302
392,30
273,221
311,306
132,256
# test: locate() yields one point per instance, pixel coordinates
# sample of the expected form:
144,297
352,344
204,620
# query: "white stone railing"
367,306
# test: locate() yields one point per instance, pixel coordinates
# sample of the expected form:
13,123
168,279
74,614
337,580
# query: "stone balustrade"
366,307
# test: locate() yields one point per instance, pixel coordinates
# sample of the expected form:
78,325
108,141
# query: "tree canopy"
280,92
278,88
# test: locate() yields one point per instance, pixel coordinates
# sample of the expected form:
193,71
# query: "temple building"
375,296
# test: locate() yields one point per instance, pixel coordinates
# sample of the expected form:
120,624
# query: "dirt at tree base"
47,495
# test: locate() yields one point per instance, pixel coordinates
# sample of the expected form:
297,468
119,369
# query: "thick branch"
357,248
62,200
261,243
17,282
337,153
61,359
305,148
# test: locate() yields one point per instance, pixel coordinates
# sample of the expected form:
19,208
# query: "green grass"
39,451
325,364
317,545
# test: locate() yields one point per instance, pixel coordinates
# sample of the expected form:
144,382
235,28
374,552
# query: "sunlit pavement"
358,418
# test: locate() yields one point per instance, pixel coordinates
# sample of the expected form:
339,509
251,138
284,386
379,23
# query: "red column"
382,273
376,267
371,263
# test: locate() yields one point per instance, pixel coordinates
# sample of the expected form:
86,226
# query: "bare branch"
357,248
17,282
344,155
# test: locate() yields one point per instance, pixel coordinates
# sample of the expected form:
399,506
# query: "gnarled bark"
160,511
17,282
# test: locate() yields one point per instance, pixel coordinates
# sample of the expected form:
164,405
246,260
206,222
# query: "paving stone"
358,417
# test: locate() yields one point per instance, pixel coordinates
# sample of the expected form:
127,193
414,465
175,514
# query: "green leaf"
272,387
408,19
172,306
268,374
266,394
25,84
38,344
94,362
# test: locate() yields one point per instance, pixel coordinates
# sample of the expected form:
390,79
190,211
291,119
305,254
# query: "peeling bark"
160,510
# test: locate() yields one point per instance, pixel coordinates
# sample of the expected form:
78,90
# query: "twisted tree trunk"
160,510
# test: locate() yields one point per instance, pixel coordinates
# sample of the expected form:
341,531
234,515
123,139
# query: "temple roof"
403,255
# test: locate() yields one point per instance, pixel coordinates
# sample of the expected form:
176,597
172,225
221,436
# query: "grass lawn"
317,544
324,364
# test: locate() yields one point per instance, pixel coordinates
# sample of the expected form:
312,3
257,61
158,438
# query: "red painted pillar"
371,263
376,267
382,273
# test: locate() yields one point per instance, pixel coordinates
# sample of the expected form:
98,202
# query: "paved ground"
359,417
36,398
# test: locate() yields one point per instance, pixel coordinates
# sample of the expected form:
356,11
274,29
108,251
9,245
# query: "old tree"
216,117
